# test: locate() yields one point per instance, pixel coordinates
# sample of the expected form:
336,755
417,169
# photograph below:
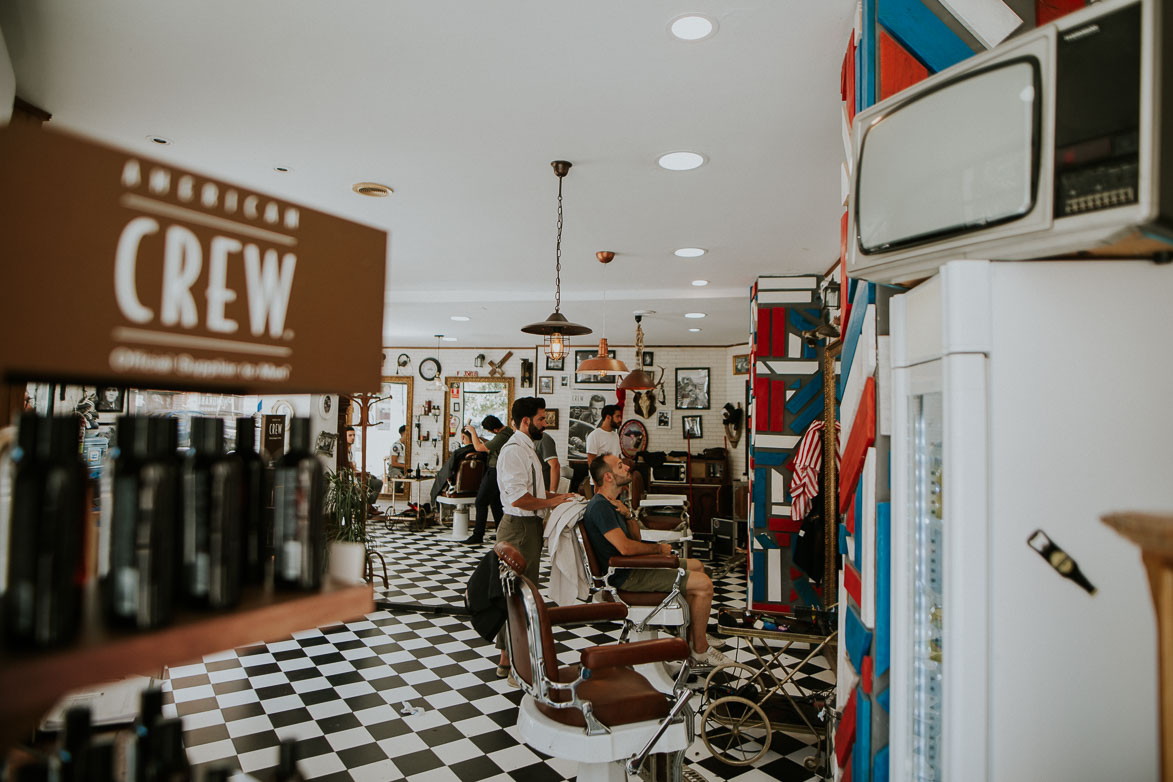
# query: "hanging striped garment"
807,461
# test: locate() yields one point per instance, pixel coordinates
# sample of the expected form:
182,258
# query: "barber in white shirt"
523,495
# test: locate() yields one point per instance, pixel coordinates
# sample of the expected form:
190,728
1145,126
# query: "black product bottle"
287,757
138,585
150,712
255,521
299,527
211,519
167,760
48,533
100,762
72,763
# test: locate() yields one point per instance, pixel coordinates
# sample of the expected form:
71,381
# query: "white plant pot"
347,562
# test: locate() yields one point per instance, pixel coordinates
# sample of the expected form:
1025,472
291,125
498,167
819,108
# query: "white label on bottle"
126,591
291,560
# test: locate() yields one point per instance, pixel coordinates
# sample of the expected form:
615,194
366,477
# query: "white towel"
568,583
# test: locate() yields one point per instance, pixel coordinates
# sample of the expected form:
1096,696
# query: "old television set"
1054,144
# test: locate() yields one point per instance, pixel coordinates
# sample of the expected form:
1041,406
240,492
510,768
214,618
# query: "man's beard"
622,480
535,432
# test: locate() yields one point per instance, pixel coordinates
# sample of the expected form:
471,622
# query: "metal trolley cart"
746,702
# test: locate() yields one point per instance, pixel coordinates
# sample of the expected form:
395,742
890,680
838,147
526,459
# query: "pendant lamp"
602,364
638,380
556,329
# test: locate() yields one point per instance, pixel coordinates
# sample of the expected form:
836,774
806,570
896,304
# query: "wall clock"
633,438
429,368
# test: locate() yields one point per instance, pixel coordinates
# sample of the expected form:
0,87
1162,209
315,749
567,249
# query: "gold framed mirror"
467,400
387,413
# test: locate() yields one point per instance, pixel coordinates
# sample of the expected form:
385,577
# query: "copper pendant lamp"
602,364
556,329
638,380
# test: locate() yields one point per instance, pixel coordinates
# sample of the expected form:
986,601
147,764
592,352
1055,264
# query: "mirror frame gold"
402,380
452,380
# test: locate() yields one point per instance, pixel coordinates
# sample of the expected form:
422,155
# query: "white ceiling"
460,107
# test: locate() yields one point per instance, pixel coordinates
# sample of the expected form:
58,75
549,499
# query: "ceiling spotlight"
681,161
372,189
694,329
692,27
699,283
694,314
460,318
689,252
159,140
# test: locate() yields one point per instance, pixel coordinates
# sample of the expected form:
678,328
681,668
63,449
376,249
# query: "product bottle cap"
287,757
207,435
150,705
299,434
246,434
77,727
168,740
164,437
133,436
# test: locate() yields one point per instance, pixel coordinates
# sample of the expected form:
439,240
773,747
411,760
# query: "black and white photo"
663,420
691,426
110,399
692,388
648,359
591,378
545,384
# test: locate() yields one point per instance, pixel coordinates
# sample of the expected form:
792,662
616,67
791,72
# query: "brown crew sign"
117,268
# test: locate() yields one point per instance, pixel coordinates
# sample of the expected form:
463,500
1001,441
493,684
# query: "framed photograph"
741,364
591,379
110,399
545,384
663,420
527,373
555,364
648,359
455,408
692,388
551,417
691,426
565,380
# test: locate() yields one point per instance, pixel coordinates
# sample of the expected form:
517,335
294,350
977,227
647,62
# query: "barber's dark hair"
610,410
541,402
492,423
348,429
403,429
598,469
525,407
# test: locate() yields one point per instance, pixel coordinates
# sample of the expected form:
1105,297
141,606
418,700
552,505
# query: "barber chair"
663,517
600,713
648,613
461,493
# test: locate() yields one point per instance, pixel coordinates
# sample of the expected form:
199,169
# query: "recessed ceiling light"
681,161
694,314
694,329
372,189
460,318
692,27
448,339
159,140
689,252
700,283
282,169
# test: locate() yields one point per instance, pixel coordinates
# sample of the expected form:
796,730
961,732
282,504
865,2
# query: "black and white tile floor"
405,693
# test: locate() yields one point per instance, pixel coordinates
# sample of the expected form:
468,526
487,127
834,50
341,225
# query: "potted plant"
346,498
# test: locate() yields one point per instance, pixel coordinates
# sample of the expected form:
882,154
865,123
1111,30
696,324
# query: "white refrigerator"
1026,396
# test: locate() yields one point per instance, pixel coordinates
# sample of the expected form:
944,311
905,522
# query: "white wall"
723,387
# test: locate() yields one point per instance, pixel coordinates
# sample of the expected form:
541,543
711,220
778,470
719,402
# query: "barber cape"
484,597
568,583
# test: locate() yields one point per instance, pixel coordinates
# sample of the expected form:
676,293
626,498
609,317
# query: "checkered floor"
407,693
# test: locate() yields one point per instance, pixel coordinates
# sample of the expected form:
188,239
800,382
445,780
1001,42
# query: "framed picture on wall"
591,379
648,359
110,399
663,420
741,364
551,418
555,364
692,388
691,427
545,384
565,380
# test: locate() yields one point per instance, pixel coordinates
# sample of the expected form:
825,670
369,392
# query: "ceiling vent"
372,189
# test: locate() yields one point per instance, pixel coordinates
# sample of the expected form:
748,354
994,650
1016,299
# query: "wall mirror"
469,399
389,411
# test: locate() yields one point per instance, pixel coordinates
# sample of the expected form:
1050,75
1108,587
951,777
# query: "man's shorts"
652,580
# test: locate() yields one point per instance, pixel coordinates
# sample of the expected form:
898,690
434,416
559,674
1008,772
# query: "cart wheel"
734,679
735,730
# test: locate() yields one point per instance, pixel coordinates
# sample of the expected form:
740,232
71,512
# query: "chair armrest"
616,655
646,561
591,612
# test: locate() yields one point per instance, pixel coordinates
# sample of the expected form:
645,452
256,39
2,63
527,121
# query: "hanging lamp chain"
558,254
639,343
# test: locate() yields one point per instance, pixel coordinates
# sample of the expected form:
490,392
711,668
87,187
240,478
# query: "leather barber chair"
461,492
664,517
648,613
600,713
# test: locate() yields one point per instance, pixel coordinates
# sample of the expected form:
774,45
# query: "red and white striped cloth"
807,462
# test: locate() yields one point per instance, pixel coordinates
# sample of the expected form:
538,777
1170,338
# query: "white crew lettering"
185,189
250,207
182,259
132,175
268,289
209,194
125,292
218,293
160,181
